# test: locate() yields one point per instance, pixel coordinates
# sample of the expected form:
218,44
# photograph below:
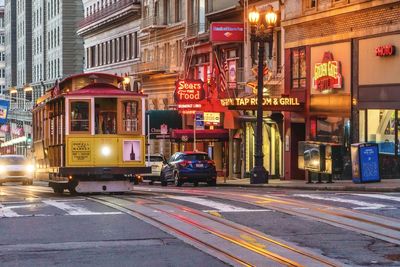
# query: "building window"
178,10
136,45
298,67
309,5
379,126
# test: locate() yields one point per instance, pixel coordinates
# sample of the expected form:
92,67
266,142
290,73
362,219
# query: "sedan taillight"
184,163
211,162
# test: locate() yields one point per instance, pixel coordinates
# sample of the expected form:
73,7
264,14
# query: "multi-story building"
2,52
220,53
162,33
341,62
110,30
41,47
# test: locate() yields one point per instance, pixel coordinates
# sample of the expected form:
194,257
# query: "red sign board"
227,32
189,91
385,50
327,74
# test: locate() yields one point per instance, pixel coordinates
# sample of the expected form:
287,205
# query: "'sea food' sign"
189,91
327,74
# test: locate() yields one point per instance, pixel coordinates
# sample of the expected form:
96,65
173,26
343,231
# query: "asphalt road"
39,228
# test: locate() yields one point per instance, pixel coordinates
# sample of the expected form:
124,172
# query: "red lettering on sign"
385,50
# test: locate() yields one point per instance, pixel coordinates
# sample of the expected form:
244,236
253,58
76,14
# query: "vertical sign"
232,74
199,119
4,106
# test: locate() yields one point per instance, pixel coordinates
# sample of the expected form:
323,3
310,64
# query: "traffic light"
29,138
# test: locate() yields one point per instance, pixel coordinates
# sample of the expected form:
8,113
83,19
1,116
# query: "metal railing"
107,11
151,66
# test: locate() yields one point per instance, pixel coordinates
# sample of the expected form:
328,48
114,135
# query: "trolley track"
245,241
383,228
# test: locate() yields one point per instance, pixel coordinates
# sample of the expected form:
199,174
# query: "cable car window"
106,115
130,116
80,113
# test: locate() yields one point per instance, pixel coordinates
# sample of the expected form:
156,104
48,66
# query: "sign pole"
194,132
148,139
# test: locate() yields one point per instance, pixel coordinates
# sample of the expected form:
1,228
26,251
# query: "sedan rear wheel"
177,181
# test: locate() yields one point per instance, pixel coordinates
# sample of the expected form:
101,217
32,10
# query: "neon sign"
189,91
327,74
385,50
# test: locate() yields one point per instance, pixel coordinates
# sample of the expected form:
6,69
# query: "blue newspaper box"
365,163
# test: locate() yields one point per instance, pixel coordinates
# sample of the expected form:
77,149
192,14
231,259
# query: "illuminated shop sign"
189,91
385,50
227,32
327,74
267,101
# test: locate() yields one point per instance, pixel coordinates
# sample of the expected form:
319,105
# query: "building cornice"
339,10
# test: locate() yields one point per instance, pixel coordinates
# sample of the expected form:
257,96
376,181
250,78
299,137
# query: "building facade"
333,64
2,52
162,35
110,30
42,47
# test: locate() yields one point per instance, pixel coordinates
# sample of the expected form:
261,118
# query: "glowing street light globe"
254,16
271,18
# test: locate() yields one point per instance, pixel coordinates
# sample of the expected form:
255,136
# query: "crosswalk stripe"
217,206
362,204
377,196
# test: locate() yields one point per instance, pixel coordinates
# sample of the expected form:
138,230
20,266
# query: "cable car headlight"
105,151
2,169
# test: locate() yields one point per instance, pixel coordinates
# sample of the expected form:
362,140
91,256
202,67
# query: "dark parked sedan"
191,167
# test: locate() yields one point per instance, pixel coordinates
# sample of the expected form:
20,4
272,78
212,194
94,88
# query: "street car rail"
252,245
383,228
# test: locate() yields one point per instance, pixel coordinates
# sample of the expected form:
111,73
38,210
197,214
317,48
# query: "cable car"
88,134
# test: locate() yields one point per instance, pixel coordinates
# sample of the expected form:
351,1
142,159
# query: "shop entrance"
298,133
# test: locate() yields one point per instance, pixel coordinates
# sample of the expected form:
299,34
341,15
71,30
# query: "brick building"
357,99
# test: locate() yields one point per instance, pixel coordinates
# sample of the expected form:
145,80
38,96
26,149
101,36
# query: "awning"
187,135
166,119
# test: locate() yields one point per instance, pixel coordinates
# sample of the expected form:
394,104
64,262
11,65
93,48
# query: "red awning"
187,134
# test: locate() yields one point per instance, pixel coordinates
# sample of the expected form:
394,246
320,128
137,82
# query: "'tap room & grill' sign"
189,91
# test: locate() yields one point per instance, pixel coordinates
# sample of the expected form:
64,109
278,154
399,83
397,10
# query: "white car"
16,168
156,163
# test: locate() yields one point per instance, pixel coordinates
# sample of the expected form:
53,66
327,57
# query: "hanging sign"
227,32
327,74
189,91
4,106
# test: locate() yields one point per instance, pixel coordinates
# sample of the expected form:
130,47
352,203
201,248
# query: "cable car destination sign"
270,103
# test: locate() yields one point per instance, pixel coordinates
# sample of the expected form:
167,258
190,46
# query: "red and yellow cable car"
88,134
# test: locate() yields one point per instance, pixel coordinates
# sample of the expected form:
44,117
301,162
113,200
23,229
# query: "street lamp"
261,32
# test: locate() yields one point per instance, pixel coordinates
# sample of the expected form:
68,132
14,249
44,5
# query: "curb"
315,188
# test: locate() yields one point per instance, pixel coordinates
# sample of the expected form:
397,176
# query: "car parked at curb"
16,168
156,163
189,167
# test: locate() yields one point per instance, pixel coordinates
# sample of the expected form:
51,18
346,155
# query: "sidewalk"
388,185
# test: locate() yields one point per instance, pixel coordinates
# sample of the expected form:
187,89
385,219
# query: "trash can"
365,163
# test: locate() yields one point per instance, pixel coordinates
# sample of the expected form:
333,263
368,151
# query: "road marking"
363,205
217,206
75,210
384,197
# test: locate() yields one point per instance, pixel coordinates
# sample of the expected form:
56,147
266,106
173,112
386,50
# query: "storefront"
321,77
377,95
272,131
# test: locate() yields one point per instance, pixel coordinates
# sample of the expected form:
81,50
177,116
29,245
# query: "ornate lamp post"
261,32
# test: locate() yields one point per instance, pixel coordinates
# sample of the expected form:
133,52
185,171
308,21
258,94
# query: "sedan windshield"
12,160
